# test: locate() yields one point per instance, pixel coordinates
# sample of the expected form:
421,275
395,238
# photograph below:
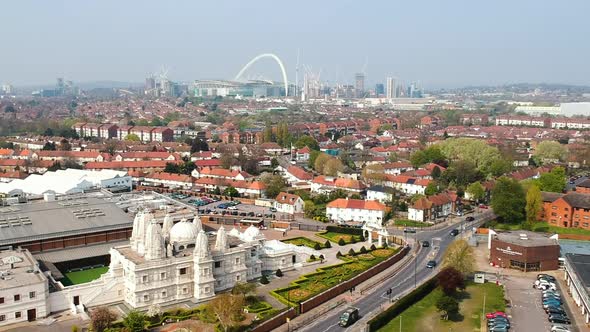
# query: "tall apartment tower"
391,88
359,86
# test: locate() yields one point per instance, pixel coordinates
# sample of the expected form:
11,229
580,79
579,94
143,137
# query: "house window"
162,275
182,271
16,297
238,277
217,264
164,294
2,318
238,260
207,289
144,279
1,300
184,290
146,298
17,314
554,207
554,214
32,295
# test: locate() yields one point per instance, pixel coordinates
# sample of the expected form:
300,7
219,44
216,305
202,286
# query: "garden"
304,241
324,278
342,235
410,223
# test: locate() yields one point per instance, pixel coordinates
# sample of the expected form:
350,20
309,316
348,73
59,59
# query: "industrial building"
222,88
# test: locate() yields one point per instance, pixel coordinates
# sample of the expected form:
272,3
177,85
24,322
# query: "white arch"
267,55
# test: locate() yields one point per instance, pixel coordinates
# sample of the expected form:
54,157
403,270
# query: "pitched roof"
286,198
299,173
422,204
170,177
550,196
128,164
339,182
584,184
578,200
345,203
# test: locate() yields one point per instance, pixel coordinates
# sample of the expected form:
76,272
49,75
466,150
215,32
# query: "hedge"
345,230
400,306
259,307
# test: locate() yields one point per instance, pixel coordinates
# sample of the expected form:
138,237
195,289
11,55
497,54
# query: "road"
414,273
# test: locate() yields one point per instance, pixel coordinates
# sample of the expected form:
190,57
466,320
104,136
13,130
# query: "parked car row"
227,205
498,321
202,201
552,302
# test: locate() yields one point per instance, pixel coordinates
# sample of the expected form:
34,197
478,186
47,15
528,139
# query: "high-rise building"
391,88
379,89
359,85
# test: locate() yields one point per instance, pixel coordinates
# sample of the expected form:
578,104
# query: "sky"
450,43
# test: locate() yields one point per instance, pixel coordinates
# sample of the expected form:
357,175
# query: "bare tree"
101,318
228,309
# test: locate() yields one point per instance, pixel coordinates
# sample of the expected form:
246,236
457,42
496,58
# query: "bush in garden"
317,246
351,252
264,280
363,250
279,273
341,242
328,244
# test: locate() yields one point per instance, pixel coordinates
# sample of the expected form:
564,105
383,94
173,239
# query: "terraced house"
566,210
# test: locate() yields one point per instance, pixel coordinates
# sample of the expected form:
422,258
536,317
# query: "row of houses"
113,131
531,121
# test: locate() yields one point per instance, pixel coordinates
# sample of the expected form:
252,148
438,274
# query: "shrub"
264,280
312,258
351,252
373,247
345,230
322,257
338,254
317,246
74,328
353,239
328,244
341,242
384,244
363,250
279,273
362,238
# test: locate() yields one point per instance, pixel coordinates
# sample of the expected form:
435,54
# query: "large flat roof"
24,270
39,220
526,238
581,265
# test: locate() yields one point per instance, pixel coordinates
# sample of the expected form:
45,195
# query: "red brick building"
583,187
524,250
571,210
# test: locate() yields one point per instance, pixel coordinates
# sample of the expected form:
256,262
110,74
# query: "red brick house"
571,210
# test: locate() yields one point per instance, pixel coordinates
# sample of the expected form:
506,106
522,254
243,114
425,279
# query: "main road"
410,276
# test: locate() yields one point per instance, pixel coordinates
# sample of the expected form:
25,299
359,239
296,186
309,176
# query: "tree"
459,255
308,141
436,172
449,280
267,134
132,138
431,189
48,132
534,203
279,273
333,166
320,162
313,155
476,151
231,192
447,305
172,168
550,150
228,309
476,191
198,144
101,318
309,209
264,280
135,321
49,146
553,181
373,173
227,160
243,288
274,163
274,185
432,154
508,200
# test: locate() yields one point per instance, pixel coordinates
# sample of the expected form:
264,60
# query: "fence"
276,321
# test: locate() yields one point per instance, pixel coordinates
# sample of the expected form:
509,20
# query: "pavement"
412,273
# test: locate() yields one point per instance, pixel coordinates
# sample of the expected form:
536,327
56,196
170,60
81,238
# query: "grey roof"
64,255
550,196
532,239
578,200
584,184
382,189
44,220
581,264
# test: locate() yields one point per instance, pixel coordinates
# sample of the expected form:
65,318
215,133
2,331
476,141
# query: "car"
500,321
348,317
551,299
490,315
469,219
259,215
553,307
272,209
455,232
555,311
547,277
232,208
500,325
551,296
559,328
426,244
551,304
409,230
250,214
483,206
431,264
498,329
559,319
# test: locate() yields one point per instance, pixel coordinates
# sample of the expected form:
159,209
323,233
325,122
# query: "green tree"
135,321
268,137
132,138
308,141
228,309
475,151
274,163
432,154
231,192
436,172
320,162
459,255
333,166
476,191
534,203
508,200
447,306
309,209
274,185
431,189
553,181
227,160
313,155
550,150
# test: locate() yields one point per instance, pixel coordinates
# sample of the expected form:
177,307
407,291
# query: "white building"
289,203
357,210
24,290
380,193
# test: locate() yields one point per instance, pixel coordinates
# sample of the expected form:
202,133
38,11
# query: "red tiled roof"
339,182
343,203
286,198
299,173
170,177
6,152
12,162
208,163
149,155
67,154
128,164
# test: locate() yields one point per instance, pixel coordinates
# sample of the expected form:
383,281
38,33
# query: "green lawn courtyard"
335,237
423,317
303,241
80,277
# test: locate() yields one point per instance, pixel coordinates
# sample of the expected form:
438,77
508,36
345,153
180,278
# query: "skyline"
440,45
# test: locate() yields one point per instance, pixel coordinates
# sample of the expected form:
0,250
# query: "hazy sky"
439,43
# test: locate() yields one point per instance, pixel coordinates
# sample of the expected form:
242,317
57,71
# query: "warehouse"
523,250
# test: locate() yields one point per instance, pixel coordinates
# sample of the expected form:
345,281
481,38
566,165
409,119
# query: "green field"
80,277
410,223
303,241
335,237
542,227
423,317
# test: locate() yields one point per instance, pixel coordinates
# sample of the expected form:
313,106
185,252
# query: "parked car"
348,317
490,315
498,321
547,277
556,311
553,307
500,325
409,230
232,208
431,264
559,319
455,232
469,219
426,244
273,209
559,328
550,303
498,329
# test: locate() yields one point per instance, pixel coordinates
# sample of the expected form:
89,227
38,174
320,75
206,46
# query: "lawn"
324,278
80,277
335,237
542,227
423,317
410,223
303,241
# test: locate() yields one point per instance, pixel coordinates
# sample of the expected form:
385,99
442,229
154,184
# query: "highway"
400,283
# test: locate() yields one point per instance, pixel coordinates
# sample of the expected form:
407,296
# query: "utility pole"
416,259
400,323
483,310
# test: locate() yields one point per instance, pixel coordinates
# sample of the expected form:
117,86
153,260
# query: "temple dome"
183,232
251,233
